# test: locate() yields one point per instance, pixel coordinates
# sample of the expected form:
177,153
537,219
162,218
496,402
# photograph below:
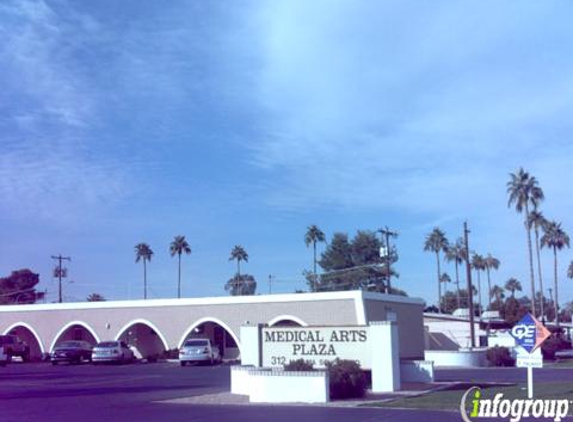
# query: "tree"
512,285
19,287
355,264
524,191
238,253
312,236
498,294
449,302
95,297
555,237
436,242
536,221
241,285
336,262
143,253
457,254
514,310
570,276
491,263
445,279
567,312
179,246
478,264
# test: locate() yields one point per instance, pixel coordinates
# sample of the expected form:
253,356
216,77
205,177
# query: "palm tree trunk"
457,284
488,289
239,268
314,266
541,305
530,259
439,284
479,294
556,287
144,279
179,279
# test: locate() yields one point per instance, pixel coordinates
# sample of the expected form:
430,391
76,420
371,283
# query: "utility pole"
270,283
387,233
60,273
470,286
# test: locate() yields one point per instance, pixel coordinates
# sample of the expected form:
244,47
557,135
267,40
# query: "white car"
199,350
112,351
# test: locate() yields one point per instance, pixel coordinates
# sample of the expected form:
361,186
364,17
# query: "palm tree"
555,237
179,246
512,285
239,254
312,236
478,264
497,292
457,253
536,221
95,297
523,191
143,253
436,242
444,278
491,263
570,270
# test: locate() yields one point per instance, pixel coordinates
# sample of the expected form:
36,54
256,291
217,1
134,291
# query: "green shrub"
299,365
500,356
553,344
170,354
347,379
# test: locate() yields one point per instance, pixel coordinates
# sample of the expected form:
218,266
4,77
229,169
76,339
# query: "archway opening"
144,340
286,323
75,332
218,336
29,340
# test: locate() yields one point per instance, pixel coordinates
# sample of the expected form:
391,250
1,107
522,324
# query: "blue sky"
244,122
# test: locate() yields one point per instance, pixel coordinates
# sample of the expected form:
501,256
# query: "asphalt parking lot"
141,392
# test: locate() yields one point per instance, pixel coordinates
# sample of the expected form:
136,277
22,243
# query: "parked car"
112,351
199,350
3,357
13,346
73,351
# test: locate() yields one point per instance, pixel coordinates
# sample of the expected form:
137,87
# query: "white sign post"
529,361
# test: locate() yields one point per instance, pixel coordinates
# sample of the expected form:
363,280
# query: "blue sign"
529,333
525,333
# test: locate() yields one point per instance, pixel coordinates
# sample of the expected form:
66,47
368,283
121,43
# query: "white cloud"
408,105
49,170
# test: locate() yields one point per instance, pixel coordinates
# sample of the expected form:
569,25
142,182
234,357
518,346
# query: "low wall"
459,358
240,379
417,371
277,386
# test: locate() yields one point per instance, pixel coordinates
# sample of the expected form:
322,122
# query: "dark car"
13,346
74,351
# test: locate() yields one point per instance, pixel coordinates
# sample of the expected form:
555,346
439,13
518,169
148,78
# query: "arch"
213,320
145,347
289,318
70,325
37,350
